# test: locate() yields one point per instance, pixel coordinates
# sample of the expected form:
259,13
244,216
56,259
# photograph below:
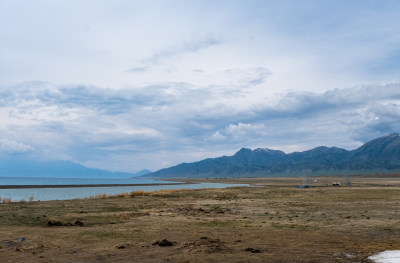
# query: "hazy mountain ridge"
379,154
57,169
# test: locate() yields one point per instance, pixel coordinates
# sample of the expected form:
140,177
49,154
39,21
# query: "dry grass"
137,194
5,200
272,223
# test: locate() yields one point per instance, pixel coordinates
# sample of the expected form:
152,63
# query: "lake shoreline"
85,185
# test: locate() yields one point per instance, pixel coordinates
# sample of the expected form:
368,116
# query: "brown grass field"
273,222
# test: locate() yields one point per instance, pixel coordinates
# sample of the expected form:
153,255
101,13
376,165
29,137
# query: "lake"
46,194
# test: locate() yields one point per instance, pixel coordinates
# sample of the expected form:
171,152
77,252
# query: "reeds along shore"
6,200
140,193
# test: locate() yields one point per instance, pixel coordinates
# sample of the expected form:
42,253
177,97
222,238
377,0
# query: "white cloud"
217,136
176,50
239,133
10,146
125,131
242,129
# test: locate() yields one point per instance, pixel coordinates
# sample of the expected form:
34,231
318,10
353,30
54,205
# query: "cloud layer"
151,126
126,85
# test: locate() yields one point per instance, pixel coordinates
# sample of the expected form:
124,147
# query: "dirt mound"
198,211
164,243
252,250
59,223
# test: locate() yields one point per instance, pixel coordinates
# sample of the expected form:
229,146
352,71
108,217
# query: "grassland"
273,222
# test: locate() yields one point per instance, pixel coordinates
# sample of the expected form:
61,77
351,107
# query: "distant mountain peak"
142,172
265,150
243,151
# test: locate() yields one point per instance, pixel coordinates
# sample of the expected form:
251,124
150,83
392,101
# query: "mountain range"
381,154
22,167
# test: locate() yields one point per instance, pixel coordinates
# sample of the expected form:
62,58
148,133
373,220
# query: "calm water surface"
45,194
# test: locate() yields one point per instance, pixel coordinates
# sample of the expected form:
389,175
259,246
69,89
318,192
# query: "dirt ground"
273,221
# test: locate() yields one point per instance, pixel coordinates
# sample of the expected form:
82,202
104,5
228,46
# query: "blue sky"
127,85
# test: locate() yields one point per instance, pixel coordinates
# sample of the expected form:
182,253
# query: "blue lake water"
45,194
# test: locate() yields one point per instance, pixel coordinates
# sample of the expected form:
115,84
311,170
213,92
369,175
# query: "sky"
128,85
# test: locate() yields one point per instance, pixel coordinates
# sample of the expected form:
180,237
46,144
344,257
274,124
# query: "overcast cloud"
128,85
